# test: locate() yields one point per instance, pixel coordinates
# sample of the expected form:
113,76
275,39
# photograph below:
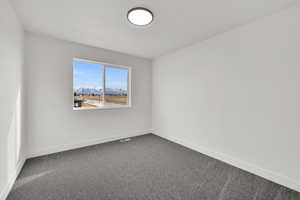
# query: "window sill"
104,107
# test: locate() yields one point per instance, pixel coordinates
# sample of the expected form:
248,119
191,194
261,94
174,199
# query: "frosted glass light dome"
140,16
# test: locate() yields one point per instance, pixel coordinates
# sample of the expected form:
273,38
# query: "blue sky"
90,75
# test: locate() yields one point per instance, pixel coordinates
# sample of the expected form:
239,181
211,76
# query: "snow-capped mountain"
93,91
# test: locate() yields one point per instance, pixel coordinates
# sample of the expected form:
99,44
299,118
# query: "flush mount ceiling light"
140,16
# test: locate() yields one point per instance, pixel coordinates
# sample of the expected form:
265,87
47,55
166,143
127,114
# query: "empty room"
149,100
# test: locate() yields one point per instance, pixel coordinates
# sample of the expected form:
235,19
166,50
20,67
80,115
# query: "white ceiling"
103,23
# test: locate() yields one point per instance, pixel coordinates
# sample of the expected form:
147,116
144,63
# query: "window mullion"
104,87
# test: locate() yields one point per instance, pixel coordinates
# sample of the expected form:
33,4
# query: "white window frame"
106,65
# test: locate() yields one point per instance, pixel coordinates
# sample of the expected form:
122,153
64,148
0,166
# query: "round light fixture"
140,16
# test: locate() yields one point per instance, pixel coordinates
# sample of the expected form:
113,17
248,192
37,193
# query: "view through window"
98,85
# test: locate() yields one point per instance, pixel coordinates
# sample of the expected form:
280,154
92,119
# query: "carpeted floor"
146,168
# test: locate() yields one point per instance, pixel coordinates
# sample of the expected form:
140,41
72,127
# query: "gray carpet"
146,168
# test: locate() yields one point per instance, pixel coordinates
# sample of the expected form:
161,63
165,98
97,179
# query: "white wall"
236,97
52,123
12,135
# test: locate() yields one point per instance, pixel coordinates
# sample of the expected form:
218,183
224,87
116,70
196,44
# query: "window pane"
116,86
88,84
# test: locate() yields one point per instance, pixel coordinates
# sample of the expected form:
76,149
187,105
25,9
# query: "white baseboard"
11,180
267,174
4,193
66,147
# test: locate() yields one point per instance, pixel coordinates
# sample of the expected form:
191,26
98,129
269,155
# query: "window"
100,85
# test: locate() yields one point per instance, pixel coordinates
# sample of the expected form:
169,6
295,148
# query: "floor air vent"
125,140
